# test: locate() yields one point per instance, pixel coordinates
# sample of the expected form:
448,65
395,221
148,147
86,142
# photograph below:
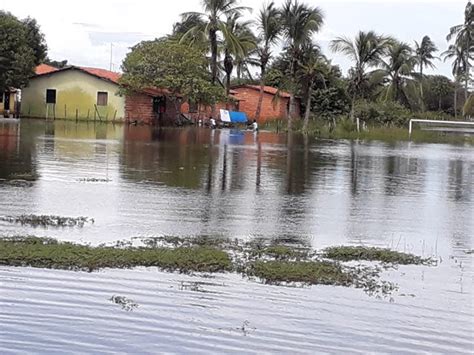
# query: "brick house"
273,107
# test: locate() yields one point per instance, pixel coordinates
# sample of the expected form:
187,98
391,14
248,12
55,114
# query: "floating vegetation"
47,221
30,251
307,272
94,180
270,264
126,303
356,253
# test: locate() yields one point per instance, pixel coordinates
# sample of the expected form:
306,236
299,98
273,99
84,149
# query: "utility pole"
111,45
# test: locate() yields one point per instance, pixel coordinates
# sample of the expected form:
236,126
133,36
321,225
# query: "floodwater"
411,197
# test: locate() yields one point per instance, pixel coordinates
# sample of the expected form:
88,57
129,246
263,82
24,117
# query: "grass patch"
47,221
36,252
271,263
308,272
355,253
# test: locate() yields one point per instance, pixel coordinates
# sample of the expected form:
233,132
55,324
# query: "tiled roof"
268,89
44,69
102,73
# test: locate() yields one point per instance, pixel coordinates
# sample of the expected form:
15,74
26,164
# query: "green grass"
346,130
272,264
354,253
49,253
308,272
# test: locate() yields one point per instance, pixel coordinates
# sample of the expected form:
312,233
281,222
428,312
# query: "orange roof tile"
102,73
44,69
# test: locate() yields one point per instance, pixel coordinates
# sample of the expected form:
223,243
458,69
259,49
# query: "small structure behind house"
275,105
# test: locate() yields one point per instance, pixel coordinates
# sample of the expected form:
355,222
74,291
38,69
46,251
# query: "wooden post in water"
77,114
88,112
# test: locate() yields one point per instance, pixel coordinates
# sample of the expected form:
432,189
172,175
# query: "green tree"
424,59
182,70
299,23
213,19
441,87
459,66
463,35
269,29
239,41
22,47
398,70
312,66
366,51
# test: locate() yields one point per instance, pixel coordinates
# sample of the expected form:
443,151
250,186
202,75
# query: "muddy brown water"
140,182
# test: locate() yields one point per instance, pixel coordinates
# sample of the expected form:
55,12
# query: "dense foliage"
22,47
182,70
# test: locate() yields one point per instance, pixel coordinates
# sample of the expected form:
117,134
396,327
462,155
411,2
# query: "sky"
87,32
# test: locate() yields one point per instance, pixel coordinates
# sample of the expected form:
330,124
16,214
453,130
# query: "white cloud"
82,31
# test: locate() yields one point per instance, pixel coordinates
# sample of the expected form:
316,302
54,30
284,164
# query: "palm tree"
269,26
366,51
313,66
299,23
239,41
456,53
398,69
214,12
424,59
463,35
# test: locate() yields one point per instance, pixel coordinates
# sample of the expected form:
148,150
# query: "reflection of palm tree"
299,23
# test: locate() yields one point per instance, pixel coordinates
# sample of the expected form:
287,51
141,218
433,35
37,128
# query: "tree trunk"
292,110
468,67
213,39
439,103
422,101
352,113
228,67
456,100
308,108
260,97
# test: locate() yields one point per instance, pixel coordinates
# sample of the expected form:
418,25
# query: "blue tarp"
238,117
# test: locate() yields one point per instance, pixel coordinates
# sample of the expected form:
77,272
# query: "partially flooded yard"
194,240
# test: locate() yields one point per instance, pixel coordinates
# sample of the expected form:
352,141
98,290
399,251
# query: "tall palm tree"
213,16
463,36
238,42
398,70
459,67
424,59
269,26
312,66
366,51
299,23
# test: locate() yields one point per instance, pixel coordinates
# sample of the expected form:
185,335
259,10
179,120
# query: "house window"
193,107
50,96
102,98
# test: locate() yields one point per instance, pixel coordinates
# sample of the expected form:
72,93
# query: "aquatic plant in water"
47,221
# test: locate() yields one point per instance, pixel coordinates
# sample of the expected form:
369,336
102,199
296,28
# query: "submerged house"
275,105
9,102
82,93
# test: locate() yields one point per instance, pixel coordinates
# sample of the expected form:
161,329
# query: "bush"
387,113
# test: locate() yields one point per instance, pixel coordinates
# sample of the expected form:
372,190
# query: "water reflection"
236,183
